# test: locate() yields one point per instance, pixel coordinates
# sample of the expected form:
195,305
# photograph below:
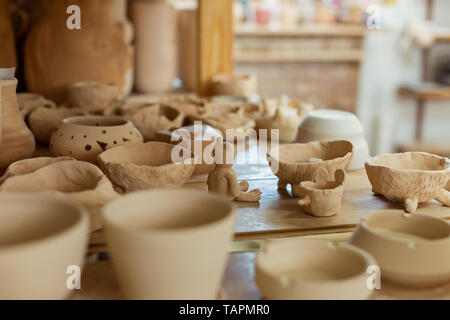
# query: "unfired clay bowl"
40,237
169,244
94,97
293,269
412,249
298,162
410,177
28,102
234,85
85,137
80,181
148,165
328,124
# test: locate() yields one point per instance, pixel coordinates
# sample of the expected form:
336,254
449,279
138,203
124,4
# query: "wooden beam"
215,41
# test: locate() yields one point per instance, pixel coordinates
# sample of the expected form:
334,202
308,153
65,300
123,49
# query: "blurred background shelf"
426,91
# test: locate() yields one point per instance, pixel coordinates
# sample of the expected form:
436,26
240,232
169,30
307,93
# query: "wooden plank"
355,55
426,91
215,41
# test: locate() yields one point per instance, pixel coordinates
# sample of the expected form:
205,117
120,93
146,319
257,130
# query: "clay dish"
81,181
147,166
244,85
293,269
28,102
44,121
169,244
298,162
322,199
94,97
410,177
85,137
39,233
411,249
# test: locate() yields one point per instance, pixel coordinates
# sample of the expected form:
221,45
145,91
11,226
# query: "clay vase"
8,52
56,57
17,141
41,235
169,244
156,51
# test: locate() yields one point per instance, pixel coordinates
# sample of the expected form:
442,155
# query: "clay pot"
156,51
298,162
147,166
293,269
412,249
43,234
29,102
243,86
410,177
151,119
328,124
169,244
323,198
80,181
44,121
16,140
283,114
85,137
56,57
8,56
94,97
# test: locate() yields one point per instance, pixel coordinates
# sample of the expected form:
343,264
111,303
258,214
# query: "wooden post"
215,41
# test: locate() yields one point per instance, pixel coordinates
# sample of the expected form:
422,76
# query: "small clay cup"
94,97
169,244
40,237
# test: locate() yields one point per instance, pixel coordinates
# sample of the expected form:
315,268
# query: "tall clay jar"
56,56
155,41
7,51
17,141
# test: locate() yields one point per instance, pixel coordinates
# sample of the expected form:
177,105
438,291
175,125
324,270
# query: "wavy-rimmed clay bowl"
85,137
298,162
293,269
411,249
148,165
329,124
410,177
40,237
28,102
80,181
322,199
94,97
169,244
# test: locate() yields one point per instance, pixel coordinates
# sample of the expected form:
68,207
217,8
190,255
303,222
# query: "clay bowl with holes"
298,162
410,177
85,137
80,181
41,235
293,269
412,250
148,165
94,97
322,199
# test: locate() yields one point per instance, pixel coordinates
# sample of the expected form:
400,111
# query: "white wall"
388,118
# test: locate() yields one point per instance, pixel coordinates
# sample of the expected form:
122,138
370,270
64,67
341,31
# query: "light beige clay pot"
147,166
298,162
283,114
169,244
293,269
85,137
234,85
94,97
78,180
16,140
322,198
410,177
40,237
44,121
29,102
412,249
151,119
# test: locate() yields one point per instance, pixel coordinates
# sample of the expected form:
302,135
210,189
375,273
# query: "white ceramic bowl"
40,237
329,124
412,249
312,269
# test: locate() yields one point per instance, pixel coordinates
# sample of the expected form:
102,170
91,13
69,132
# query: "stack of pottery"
8,52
